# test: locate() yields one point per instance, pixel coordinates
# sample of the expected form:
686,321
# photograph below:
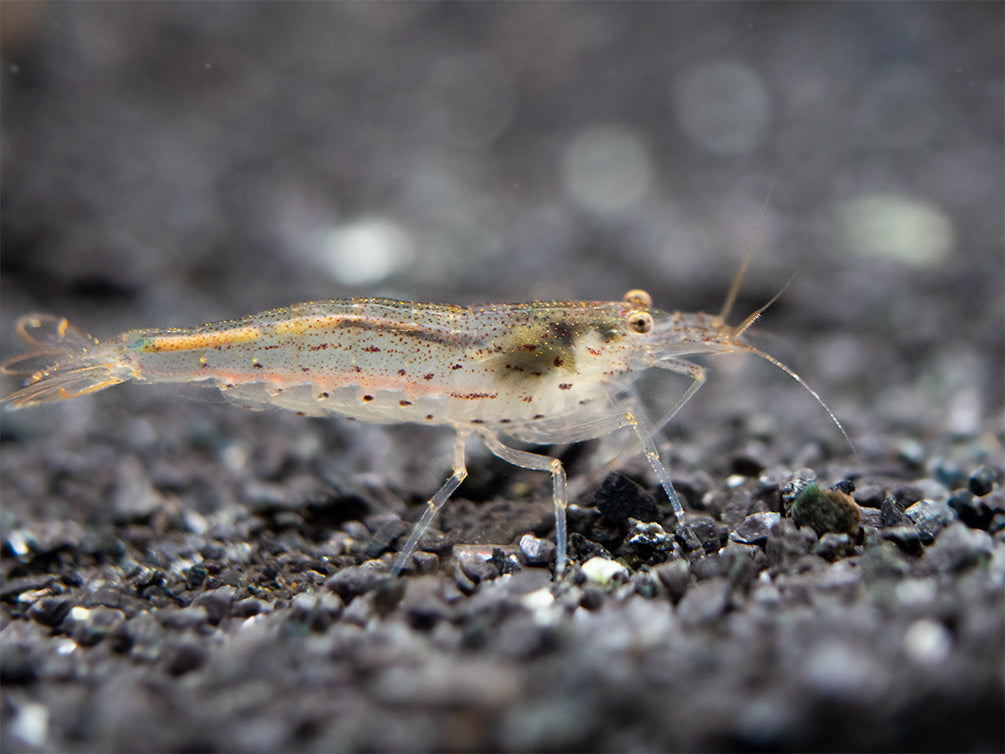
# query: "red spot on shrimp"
256,365
427,376
372,349
401,372
404,403
367,398
457,366
564,385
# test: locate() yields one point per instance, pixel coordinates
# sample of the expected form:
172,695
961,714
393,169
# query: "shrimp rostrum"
540,373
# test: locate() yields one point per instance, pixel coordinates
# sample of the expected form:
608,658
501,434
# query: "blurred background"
175,163
168,164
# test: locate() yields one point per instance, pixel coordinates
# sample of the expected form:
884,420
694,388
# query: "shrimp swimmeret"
542,372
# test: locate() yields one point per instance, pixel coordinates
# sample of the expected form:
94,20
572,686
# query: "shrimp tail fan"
62,362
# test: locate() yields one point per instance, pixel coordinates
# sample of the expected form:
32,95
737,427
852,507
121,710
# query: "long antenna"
727,305
748,254
811,391
750,320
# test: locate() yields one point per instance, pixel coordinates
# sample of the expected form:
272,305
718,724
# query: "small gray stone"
997,524
385,528
703,533
386,597
582,549
753,530
706,567
975,512
907,538
592,598
892,512
930,489
870,496
911,451
183,618
883,561
423,602
536,551
787,543
316,610
646,542
958,548
19,664
195,576
88,626
182,656
832,546
675,577
353,581
50,611
983,480
704,604
247,608
217,603
930,517
134,496
425,562
475,567
619,498
741,564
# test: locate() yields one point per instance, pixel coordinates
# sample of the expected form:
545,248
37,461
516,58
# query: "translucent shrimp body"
541,372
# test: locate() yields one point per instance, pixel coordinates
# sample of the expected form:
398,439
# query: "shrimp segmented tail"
63,362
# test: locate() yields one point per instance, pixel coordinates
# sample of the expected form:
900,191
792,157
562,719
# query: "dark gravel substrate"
181,575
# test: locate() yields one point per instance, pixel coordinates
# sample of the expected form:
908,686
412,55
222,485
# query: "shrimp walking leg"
436,501
649,449
539,462
697,375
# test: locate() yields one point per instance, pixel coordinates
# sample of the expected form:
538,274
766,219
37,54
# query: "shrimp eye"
640,322
638,298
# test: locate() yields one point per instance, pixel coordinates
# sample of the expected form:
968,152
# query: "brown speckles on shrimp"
550,344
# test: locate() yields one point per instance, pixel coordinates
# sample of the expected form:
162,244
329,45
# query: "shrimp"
538,373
